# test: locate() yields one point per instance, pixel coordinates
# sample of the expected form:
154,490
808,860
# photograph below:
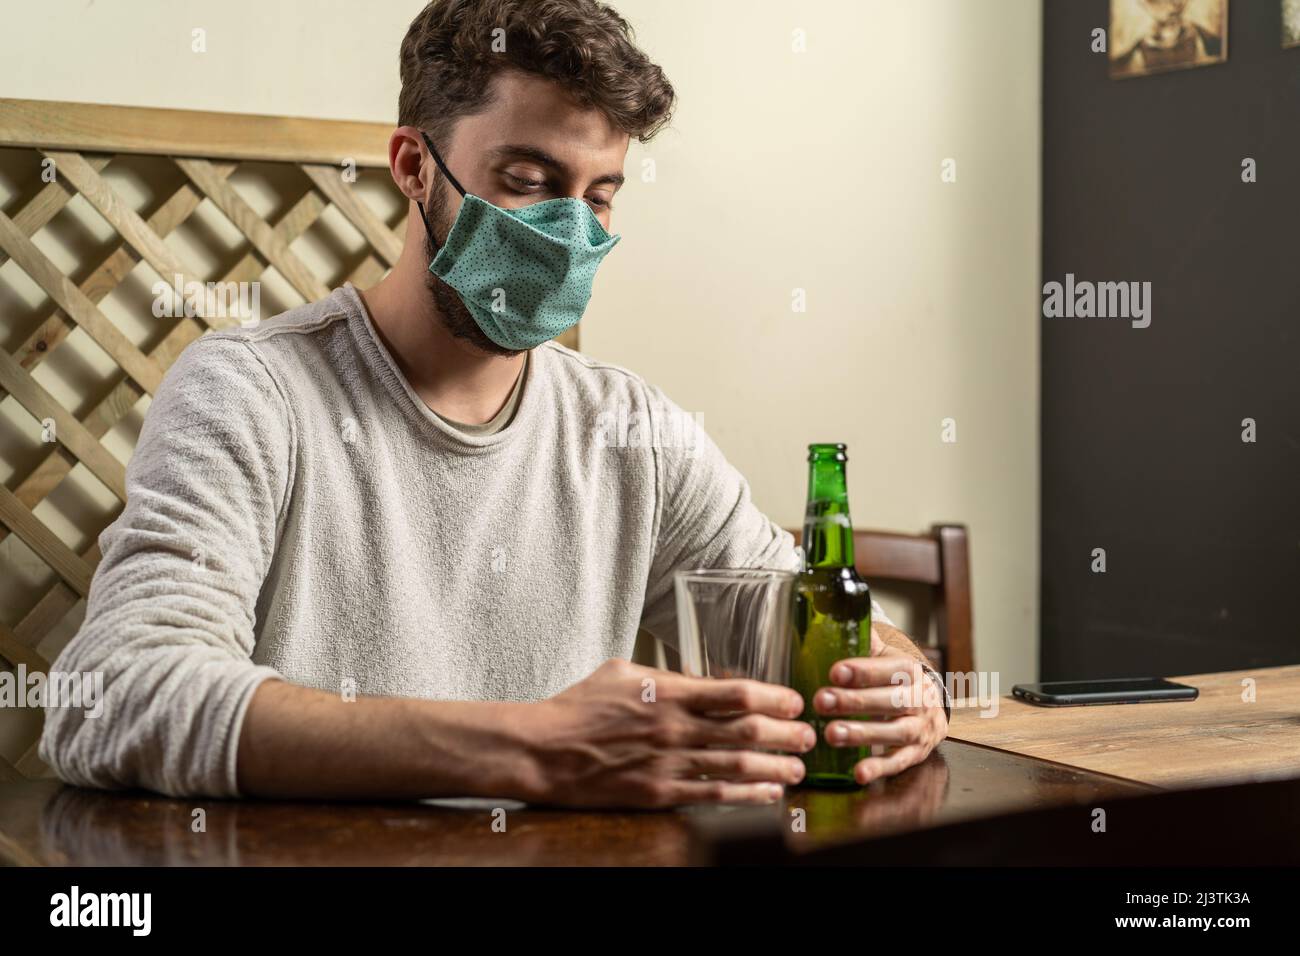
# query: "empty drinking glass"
735,622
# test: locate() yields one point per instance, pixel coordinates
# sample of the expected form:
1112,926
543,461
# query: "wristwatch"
943,689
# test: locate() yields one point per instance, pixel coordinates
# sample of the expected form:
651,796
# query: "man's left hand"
893,688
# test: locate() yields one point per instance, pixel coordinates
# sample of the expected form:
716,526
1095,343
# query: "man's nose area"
571,186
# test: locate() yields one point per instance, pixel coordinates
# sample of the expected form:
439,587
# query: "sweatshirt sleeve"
706,517
170,618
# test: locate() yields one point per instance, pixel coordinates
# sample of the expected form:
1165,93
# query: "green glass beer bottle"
832,610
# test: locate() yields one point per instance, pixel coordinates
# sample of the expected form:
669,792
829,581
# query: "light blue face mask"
524,274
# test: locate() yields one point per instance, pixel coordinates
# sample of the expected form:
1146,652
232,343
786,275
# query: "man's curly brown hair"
448,61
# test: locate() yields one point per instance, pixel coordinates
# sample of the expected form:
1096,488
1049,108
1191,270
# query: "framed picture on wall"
1155,36
1290,23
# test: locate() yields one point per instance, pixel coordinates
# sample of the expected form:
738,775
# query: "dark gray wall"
1141,428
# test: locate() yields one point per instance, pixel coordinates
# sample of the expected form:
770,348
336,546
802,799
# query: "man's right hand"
633,736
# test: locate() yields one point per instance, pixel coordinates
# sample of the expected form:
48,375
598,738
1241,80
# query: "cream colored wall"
821,171
815,170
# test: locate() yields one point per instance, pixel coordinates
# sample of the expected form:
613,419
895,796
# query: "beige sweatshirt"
294,509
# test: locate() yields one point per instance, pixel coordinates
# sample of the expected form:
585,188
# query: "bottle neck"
827,528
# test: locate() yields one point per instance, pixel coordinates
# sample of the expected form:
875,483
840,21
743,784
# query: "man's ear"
406,162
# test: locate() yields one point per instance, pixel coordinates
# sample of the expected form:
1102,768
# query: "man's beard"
455,318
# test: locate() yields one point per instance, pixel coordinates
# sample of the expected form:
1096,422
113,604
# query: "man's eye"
600,202
522,184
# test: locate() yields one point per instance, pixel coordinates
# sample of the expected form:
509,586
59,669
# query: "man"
372,546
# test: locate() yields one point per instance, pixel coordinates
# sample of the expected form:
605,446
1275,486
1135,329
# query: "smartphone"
1132,690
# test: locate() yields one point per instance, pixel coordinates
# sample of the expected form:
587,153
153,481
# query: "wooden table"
1025,758
1224,736
46,823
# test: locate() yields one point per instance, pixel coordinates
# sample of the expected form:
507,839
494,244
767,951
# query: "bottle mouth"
828,451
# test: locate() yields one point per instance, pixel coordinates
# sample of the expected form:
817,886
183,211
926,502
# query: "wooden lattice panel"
97,204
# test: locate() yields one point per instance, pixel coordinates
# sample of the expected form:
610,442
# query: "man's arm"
601,743
705,516
169,620
300,742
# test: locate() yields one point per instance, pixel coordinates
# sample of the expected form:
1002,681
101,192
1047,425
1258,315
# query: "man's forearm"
299,742
893,637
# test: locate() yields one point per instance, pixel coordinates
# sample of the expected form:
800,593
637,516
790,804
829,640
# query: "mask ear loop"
450,178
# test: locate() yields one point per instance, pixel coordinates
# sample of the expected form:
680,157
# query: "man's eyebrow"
546,159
